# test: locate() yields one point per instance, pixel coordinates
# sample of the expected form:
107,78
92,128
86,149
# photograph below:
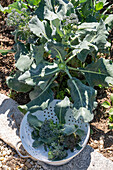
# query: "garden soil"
101,138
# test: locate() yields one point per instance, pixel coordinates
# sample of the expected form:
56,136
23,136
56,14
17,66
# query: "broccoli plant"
51,39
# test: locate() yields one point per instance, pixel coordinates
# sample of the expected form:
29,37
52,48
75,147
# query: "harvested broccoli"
57,152
71,141
49,131
52,136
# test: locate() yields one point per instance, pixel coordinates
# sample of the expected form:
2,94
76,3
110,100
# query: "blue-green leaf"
100,72
37,27
86,114
82,95
34,121
37,53
55,49
17,85
39,103
69,129
61,109
24,62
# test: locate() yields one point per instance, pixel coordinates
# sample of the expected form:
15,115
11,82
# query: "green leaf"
80,132
68,129
37,53
40,102
37,143
111,111
50,15
34,93
111,97
56,48
44,5
33,2
82,95
44,69
84,48
86,114
41,75
109,20
65,8
61,109
82,1
20,49
37,27
106,104
3,9
57,24
16,5
14,84
100,72
24,62
46,9
78,146
26,78
34,121
101,37
5,52
99,6
35,134
111,126
48,29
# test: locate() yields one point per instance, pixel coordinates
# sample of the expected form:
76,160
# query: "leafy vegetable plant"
109,105
57,137
53,38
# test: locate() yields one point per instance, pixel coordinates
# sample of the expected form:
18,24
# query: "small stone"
95,141
1,142
2,158
17,167
4,167
9,168
8,152
95,146
28,160
2,148
25,168
4,153
28,164
111,158
101,147
21,165
31,163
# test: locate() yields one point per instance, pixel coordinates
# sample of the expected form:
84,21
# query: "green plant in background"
109,105
54,38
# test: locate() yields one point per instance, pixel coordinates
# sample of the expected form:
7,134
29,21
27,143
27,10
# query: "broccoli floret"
71,141
49,131
57,152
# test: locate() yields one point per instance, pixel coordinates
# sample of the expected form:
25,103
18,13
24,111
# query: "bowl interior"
40,153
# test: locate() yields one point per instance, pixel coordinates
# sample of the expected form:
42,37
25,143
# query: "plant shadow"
10,116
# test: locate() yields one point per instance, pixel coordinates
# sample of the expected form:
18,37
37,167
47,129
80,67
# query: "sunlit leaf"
17,85
100,72
82,95
61,108
106,104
